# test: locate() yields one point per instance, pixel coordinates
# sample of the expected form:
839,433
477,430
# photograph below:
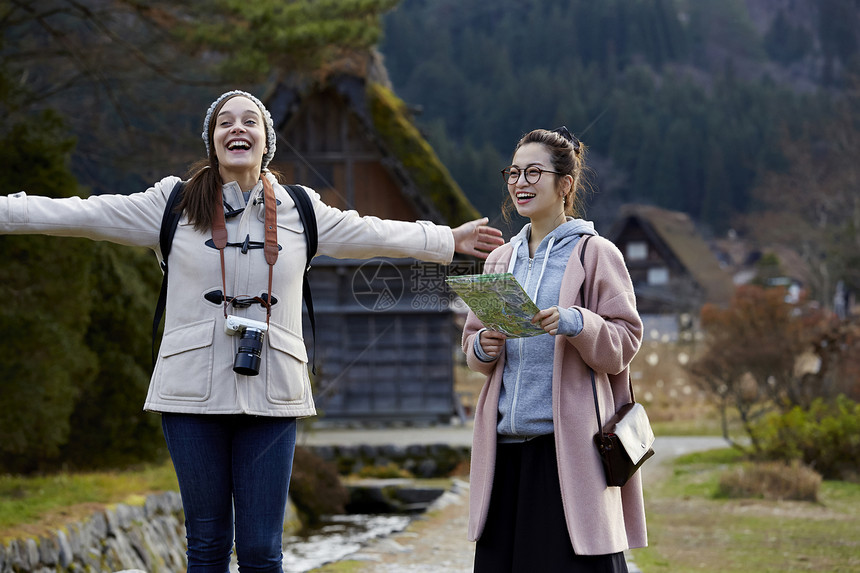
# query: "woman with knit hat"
231,432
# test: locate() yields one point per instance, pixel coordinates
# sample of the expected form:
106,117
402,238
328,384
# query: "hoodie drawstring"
516,246
543,266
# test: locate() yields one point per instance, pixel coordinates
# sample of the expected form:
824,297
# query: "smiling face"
239,139
542,200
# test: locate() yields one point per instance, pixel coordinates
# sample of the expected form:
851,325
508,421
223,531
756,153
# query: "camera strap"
270,245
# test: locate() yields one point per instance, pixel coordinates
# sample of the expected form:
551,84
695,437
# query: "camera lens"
248,356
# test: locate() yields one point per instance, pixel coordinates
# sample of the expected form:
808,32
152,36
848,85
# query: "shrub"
826,437
764,355
390,470
771,480
315,487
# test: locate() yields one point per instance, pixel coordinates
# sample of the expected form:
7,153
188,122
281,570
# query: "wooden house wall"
325,147
389,363
393,363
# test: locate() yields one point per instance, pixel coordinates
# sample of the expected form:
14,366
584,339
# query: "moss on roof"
394,126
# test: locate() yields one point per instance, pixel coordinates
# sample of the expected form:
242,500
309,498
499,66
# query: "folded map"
499,301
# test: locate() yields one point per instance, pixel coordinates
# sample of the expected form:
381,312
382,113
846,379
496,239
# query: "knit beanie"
270,127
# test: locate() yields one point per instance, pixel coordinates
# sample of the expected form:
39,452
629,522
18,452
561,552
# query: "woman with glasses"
539,499
231,431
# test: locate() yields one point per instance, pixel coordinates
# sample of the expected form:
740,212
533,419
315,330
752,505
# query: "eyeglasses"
512,174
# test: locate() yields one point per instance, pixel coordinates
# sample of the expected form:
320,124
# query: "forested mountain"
684,103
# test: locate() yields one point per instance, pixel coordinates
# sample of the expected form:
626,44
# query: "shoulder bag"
625,441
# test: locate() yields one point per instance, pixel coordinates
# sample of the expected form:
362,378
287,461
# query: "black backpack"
170,220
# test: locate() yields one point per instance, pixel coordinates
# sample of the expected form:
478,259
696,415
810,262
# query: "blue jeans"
226,462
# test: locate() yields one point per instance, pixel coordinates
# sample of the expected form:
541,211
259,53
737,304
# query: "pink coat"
600,519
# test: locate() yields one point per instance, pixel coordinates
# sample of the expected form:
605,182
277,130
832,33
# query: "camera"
252,333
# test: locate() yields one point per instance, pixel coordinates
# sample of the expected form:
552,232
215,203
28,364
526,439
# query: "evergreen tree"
45,286
108,425
265,36
838,22
713,209
785,42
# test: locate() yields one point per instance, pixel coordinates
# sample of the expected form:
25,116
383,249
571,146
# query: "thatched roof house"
385,333
672,267
354,142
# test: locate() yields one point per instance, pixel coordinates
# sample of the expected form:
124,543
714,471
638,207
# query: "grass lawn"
34,506
691,529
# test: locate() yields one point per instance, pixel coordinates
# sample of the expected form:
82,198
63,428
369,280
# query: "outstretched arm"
125,219
348,235
476,238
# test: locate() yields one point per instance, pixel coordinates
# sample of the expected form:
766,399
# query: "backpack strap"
309,222
169,222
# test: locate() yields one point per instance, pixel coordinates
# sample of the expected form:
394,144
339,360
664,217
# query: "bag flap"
633,430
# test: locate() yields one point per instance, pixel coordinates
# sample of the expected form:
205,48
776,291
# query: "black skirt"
526,530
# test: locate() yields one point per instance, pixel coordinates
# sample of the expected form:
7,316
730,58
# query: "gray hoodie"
525,402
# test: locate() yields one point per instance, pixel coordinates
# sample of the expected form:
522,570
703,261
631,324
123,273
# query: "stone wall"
423,461
150,538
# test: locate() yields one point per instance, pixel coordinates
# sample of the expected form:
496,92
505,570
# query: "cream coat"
194,372
600,519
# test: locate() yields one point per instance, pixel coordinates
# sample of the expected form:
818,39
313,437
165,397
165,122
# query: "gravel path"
436,542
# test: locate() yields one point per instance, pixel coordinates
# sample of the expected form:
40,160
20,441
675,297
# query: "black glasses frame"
508,174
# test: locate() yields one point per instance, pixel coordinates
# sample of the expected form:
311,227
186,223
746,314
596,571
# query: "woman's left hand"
476,238
547,319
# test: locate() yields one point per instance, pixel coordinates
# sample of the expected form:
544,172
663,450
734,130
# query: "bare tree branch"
90,16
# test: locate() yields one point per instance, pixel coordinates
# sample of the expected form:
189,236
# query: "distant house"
385,331
672,267
772,265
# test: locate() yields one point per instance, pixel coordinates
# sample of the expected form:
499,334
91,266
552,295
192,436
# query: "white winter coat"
194,372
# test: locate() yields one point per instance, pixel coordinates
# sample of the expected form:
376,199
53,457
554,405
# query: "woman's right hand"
492,342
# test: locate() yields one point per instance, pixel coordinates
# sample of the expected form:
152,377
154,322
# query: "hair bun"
566,134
